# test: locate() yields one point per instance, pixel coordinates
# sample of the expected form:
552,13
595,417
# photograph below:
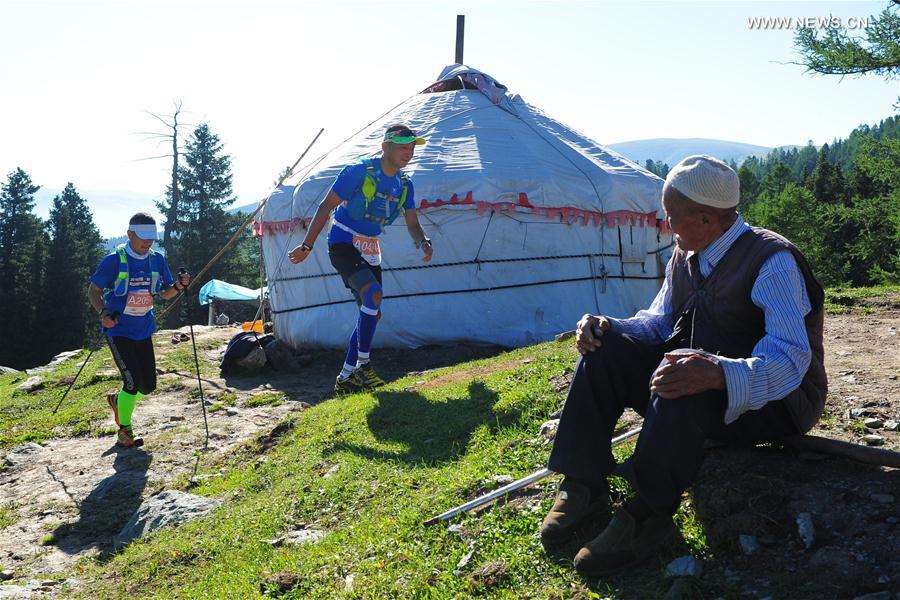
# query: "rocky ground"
751,502
853,508
82,490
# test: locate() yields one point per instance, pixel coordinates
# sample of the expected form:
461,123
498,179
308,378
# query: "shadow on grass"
109,506
314,382
433,432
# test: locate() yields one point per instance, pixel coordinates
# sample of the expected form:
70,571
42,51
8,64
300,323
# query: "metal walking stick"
515,485
114,315
183,271
71,385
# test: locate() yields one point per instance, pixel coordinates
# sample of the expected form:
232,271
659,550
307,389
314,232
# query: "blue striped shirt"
779,360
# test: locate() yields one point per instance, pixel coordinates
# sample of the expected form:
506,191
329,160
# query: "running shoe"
367,377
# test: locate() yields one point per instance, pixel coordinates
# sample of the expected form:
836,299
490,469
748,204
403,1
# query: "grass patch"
180,358
9,514
170,385
265,399
841,300
28,417
226,399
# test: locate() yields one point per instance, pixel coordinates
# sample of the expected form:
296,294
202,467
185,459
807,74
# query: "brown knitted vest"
719,316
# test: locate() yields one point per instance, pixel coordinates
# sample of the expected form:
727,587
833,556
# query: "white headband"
145,232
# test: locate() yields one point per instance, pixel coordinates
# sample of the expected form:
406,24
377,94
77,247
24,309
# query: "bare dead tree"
170,122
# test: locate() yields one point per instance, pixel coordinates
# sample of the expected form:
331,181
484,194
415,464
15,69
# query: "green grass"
841,300
401,457
180,358
8,514
265,399
28,417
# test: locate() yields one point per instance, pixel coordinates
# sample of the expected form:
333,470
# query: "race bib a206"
139,303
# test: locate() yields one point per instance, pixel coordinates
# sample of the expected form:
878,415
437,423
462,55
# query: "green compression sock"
126,404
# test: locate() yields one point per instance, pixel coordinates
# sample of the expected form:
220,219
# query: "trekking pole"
515,485
66,393
181,272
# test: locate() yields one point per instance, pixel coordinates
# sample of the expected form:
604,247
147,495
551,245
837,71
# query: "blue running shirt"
133,326
348,186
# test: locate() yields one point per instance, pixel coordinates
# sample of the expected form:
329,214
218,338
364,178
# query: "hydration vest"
364,210
120,288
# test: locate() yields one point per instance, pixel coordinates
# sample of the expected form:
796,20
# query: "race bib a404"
369,248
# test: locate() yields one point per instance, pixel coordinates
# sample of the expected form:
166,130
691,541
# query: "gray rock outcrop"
170,507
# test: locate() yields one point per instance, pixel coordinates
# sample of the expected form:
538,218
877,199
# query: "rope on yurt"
467,291
483,237
465,262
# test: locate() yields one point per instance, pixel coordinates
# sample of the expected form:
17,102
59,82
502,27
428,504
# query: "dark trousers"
669,450
136,362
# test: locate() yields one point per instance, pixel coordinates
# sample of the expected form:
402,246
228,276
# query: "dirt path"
83,490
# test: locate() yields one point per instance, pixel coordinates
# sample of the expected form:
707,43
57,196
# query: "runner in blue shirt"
121,291
365,197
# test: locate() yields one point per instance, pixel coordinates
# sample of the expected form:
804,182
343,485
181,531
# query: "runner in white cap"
121,291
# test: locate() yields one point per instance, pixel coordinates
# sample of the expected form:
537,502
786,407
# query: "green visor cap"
403,136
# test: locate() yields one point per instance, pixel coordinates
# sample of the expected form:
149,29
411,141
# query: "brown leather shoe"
574,507
624,543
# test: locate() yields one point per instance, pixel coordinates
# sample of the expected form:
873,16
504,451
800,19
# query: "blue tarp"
226,291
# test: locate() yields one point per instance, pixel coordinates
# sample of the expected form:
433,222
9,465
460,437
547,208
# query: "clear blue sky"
77,76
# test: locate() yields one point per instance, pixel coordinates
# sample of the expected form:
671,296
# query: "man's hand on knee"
589,331
687,374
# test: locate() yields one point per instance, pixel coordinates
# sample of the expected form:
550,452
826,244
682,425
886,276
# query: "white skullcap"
706,180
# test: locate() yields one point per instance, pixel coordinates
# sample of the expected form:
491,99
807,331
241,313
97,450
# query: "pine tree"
203,226
74,252
835,52
776,180
827,181
22,248
749,187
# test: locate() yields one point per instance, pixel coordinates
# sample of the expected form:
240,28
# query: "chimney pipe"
460,34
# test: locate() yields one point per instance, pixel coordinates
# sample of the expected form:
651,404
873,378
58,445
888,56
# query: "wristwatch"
423,242
306,246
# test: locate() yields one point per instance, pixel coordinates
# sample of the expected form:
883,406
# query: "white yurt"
533,225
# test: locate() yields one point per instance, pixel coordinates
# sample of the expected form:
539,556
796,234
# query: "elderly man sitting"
746,304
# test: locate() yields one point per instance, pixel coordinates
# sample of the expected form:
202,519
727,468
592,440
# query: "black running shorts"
353,268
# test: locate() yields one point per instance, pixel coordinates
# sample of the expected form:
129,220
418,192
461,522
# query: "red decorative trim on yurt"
271,227
566,214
